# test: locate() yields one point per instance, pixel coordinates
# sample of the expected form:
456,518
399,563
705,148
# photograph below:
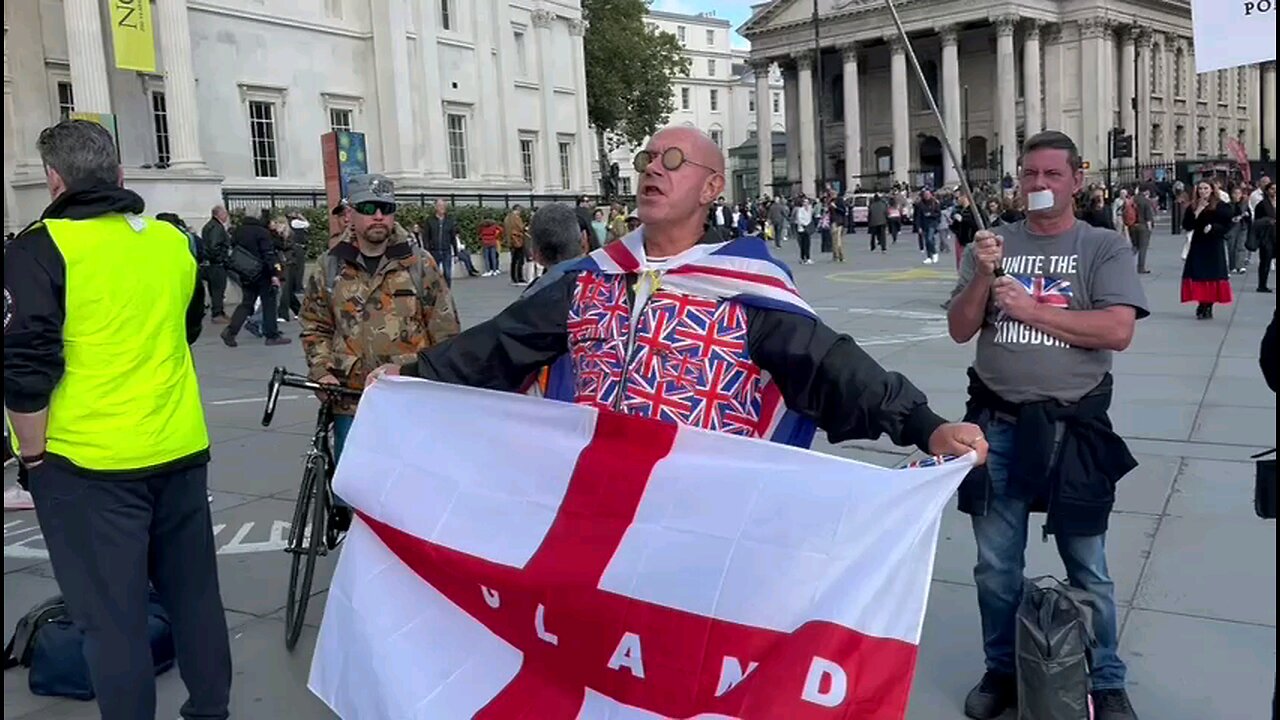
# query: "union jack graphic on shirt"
1046,290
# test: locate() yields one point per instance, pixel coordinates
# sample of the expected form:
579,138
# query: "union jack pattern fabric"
1046,290
689,364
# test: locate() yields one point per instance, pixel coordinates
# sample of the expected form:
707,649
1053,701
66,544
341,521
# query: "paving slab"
1251,426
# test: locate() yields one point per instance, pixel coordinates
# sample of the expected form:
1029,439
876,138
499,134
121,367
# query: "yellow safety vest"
128,398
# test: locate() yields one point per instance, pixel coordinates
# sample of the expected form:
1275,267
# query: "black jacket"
1267,357
1099,217
254,236
823,376
1207,257
439,236
1071,476
35,285
216,242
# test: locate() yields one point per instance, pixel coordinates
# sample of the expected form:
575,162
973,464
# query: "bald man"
723,313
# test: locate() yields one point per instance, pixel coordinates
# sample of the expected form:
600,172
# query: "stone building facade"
1000,71
453,95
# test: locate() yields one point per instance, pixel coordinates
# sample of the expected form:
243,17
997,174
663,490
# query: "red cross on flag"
529,560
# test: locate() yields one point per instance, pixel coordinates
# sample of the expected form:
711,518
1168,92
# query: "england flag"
515,558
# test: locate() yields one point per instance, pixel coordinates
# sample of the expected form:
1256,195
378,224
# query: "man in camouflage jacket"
372,299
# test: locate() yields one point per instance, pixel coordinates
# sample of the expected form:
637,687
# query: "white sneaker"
928,261
933,259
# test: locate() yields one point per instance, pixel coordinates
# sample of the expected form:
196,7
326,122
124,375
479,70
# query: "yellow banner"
131,33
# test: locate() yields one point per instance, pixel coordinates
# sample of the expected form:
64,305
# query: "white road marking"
256,399
23,540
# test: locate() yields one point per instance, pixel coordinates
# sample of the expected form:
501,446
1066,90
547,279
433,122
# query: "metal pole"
933,105
821,167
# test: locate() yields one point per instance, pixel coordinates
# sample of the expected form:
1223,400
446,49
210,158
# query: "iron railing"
257,200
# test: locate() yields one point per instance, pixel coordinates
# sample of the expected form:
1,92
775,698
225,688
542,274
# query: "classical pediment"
780,14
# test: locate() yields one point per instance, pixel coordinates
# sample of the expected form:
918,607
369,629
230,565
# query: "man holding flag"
709,335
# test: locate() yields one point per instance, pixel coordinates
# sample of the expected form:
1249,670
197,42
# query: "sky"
735,11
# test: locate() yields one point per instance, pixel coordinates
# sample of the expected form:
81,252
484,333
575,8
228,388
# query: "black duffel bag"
245,264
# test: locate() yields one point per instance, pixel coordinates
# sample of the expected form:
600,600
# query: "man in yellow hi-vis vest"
100,306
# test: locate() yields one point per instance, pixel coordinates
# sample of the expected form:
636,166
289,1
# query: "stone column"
951,100
791,112
1128,88
1051,38
1032,116
1092,100
179,84
764,126
1269,108
898,88
433,142
586,140
542,20
395,109
506,97
852,116
808,130
1142,88
1006,94
87,55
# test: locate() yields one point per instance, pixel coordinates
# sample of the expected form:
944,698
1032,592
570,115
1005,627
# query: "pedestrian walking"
1050,299
216,239
103,398
1205,278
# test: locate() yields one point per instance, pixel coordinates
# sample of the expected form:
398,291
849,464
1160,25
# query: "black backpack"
48,643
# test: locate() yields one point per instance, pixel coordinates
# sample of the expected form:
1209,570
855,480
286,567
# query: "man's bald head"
680,196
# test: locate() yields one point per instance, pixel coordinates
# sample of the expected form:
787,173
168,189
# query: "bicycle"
312,512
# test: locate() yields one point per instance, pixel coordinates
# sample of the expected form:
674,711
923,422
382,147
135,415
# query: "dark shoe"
278,340
228,339
253,329
220,320
1112,705
1144,272
992,696
1264,290
1208,313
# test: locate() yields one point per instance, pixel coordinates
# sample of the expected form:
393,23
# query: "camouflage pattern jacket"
354,322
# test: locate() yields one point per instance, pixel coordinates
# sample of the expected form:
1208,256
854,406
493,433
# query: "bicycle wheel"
306,536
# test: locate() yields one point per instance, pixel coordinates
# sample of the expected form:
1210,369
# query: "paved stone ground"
1195,570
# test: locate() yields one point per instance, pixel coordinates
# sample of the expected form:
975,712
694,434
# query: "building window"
566,165
680,33
527,159
684,98
1202,140
456,127
626,186
446,14
1157,70
1157,138
1180,73
1200,87
717,136
751,101
1180,138
160,121
715,100
1222,87
1242,87
777,102
1222,141
711,67
522,54
340,120
262,138
711,37
66,100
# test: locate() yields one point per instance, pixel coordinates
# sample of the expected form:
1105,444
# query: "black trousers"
288,298
265,291
806,243
877,236
215,278
106,540
517,265
1266,253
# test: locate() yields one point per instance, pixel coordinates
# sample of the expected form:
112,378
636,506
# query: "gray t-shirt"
1085,268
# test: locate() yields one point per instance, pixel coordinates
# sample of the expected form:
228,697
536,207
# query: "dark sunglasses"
672,159
372,207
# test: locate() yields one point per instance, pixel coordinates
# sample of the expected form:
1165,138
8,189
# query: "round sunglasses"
673,158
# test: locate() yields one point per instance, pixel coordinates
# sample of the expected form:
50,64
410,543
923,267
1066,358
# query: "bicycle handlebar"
280,377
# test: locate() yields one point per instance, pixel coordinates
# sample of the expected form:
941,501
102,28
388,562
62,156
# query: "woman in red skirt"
1204,274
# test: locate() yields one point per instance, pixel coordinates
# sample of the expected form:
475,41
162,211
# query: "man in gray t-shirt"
1050,299
1084,268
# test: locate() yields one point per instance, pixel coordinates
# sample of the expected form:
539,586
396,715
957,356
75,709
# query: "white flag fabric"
517,558
1231,33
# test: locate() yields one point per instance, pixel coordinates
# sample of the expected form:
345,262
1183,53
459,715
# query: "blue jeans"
1002,540
491,259
341,426
929,236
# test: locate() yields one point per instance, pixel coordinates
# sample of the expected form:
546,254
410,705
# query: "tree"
629,68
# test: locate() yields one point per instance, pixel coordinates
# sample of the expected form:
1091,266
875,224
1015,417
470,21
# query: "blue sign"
352,157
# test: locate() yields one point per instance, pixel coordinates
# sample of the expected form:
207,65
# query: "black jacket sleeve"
1267,357
35,279
826,377
501,353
